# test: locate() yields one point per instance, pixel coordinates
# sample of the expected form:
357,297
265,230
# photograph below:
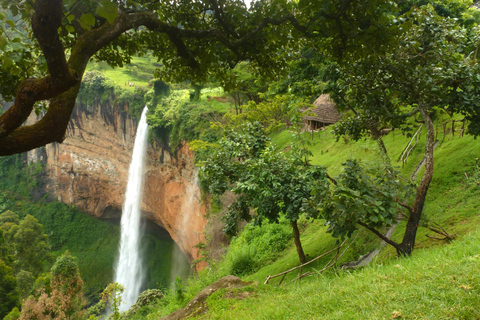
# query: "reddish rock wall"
90,168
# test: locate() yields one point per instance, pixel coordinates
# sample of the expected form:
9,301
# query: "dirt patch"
220,99
238,295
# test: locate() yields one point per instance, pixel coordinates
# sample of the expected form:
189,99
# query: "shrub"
13,315
256,246
242,262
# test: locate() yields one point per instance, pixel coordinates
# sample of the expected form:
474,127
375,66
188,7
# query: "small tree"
266,180
9,224
112,297
66,300
430,64
31,246
67,287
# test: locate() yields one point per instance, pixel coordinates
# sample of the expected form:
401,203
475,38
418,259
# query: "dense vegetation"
267,249
388,66
93,242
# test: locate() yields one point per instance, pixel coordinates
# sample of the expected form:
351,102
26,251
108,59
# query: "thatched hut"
322,114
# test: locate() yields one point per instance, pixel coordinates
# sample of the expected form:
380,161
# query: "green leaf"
70,29
17,45
10,23
108,10
87,19
15,71
7,63
84,25
70,17
3,42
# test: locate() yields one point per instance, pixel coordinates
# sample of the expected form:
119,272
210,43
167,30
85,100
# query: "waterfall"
128,270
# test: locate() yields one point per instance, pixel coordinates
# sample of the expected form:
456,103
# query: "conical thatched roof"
324,111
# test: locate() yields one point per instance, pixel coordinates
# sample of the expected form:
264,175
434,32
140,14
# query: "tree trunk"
377,135
298,244
408,243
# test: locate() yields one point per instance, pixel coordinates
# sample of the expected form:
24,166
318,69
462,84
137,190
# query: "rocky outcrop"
90,169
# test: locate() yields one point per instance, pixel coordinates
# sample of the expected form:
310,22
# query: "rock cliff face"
90,169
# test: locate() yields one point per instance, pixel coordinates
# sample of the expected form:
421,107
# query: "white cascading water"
129,271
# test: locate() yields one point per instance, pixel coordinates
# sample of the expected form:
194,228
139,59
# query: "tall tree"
31,246
9,297
432,66
193,40
8,290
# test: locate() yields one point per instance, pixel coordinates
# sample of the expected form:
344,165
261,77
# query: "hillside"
440,283
389,286
452,203
261,251
299,159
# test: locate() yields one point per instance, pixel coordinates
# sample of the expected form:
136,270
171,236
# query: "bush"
95,87
242,262
256,246
13,315
181,118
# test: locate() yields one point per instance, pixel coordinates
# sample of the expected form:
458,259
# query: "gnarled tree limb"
63,82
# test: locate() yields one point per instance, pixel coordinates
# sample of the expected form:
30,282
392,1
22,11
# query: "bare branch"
306,263
406,206
331,179
380,235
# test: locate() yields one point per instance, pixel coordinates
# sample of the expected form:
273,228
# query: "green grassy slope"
452,201
440,283
139,71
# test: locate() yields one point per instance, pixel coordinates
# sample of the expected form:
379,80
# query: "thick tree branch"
331,179
219,15
46,20
406,206
62,85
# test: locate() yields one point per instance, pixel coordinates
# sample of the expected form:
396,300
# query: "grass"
139,71
440,283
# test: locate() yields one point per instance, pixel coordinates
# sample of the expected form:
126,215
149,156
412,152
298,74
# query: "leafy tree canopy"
31,246
47,44
268,181
47,59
